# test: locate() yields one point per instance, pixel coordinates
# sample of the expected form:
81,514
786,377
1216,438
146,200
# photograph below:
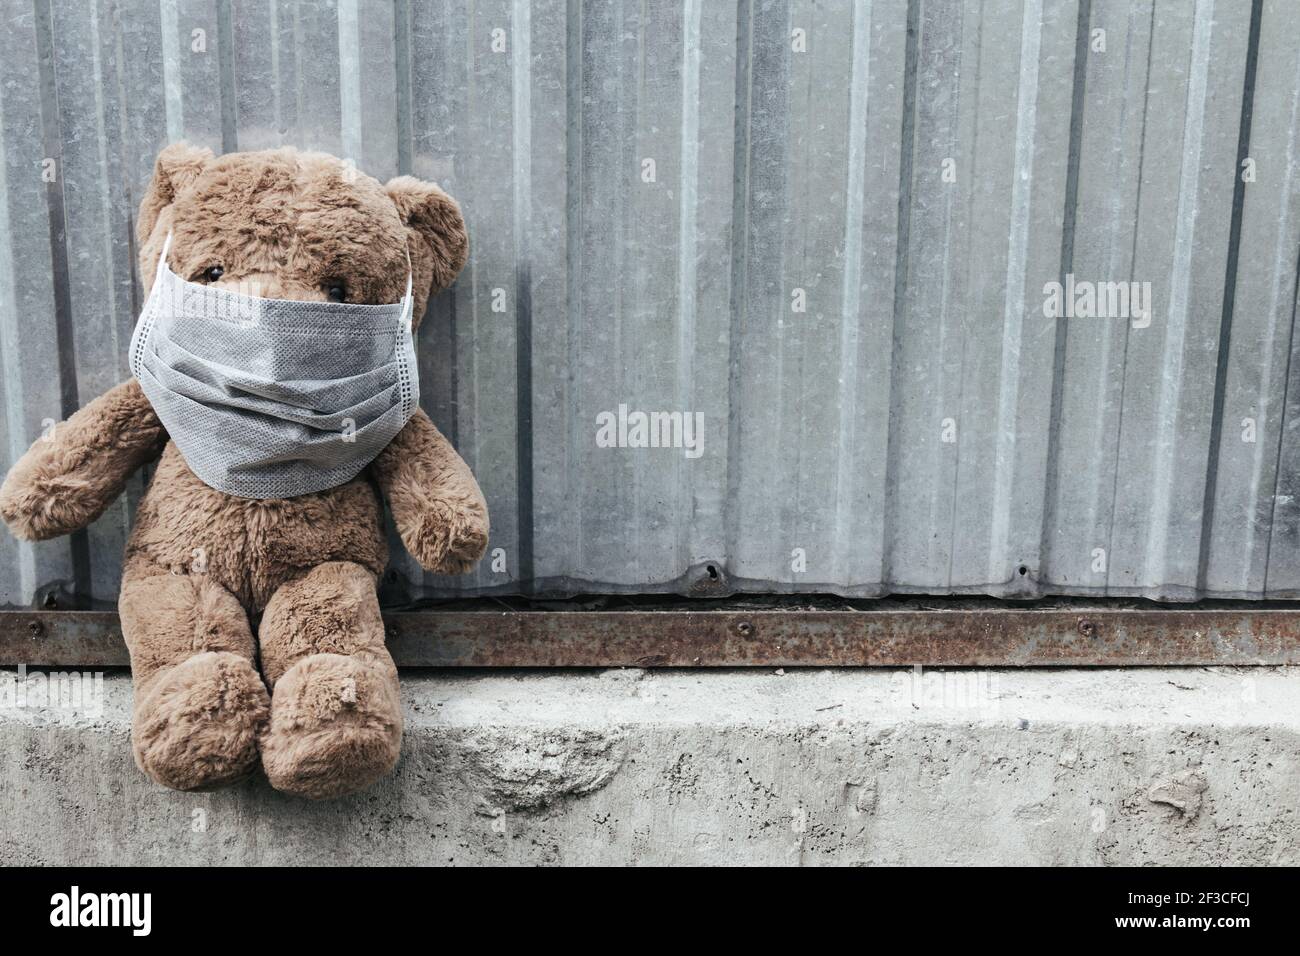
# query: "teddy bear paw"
36,510
196,727
447,540
336,727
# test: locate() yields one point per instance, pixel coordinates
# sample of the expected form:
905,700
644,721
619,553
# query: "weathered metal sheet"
883,636
824,227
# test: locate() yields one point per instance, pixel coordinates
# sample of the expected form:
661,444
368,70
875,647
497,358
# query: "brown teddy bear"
202,562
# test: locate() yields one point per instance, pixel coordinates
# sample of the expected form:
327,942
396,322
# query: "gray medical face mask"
270,398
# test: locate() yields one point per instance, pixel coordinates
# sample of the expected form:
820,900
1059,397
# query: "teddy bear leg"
336,716
200,704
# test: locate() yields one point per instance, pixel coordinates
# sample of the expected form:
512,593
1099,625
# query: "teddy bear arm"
436,503
71,474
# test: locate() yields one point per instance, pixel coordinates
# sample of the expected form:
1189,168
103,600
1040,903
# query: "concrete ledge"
1152,766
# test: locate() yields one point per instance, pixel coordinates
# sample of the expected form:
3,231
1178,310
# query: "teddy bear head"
289,224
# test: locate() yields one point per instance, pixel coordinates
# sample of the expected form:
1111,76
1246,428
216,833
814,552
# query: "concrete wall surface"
1149,766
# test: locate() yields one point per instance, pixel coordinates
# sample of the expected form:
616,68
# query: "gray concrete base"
1197,766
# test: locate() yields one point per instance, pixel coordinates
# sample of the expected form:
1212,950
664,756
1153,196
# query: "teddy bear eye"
213,273
336,290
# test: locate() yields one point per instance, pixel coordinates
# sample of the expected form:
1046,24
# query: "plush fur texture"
200,564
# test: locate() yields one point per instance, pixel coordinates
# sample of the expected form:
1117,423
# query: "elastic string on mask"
410,298
410,285
162,258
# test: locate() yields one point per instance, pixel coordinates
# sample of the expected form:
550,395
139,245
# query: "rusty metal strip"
957,637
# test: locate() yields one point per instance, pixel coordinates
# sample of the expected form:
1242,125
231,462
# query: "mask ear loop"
145,323
410,288
162,260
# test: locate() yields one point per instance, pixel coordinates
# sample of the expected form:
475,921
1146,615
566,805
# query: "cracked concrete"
512,770
1140,766
1183,792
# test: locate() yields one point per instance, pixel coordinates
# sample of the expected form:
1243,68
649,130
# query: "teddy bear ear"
177,166
435,218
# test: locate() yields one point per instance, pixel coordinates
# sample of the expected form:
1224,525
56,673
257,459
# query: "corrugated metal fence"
825,227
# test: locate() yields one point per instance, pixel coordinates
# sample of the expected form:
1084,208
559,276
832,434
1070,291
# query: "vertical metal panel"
1193,103
96,240
264,59
463,77
827,227
1081,486
553,217
32,366
1256,456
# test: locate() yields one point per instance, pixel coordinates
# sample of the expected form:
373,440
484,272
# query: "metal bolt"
744,628
36,627
1087,628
